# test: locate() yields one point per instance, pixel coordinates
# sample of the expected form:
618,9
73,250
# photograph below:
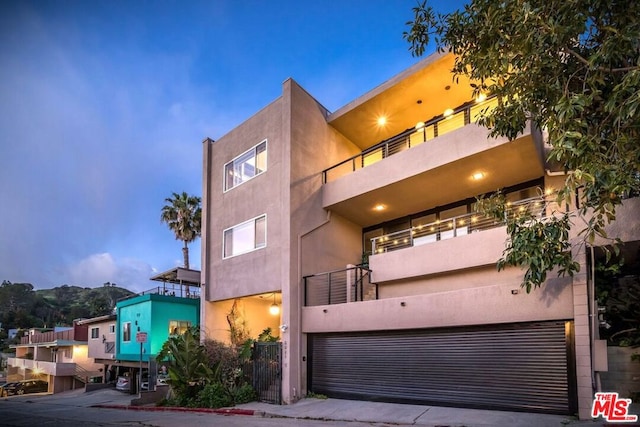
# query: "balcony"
457,243
432,165
48,368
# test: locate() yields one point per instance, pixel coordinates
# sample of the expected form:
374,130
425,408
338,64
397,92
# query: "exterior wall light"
274,309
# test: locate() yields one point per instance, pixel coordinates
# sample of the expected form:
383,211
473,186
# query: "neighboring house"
101,337
60,358
157,313
297,197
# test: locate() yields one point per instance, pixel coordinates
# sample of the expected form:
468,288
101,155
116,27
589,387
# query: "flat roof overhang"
179,276
418,94
504,165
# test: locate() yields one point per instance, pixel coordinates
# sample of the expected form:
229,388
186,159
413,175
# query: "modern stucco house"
297,197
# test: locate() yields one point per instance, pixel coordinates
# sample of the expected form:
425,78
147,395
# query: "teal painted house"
160,312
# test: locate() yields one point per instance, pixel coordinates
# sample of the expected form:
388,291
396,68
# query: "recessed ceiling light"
419,125
477,176
382,120
448,112
379,207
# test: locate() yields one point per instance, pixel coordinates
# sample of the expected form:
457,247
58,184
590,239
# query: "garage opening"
522,367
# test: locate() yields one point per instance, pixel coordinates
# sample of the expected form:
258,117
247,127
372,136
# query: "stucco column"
582,336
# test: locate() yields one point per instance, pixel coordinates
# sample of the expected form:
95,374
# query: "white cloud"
94,270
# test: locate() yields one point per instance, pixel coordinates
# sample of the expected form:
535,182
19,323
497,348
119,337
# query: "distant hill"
23,307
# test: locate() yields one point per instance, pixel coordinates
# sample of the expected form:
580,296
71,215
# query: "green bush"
214,395
245,394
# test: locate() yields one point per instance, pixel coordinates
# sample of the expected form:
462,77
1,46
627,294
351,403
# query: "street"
31,412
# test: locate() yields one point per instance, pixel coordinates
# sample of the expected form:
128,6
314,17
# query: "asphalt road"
30,412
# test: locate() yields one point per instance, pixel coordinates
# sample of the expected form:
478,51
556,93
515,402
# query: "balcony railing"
453,227
339,286
438,126
51,336
170,289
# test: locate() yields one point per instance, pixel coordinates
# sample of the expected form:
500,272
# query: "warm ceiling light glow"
548,191
379,207
274,310
447,112
419,125
481,97
477,176
382,120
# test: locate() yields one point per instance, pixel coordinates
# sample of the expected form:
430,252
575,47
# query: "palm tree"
183,214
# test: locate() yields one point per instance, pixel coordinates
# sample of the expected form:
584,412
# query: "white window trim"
224,167
91,333
112,328
266,225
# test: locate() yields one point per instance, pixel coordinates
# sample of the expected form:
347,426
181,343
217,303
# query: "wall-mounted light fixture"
274,309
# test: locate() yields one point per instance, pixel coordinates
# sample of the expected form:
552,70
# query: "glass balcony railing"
443,124
452,227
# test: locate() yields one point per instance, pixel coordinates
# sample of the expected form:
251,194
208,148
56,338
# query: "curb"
221,411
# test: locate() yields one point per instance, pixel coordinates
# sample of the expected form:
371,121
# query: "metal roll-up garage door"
513,367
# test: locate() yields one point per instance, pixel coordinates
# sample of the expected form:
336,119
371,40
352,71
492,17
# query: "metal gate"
526,367
267,369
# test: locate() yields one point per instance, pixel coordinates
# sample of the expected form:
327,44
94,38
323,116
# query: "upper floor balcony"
43,367
440,161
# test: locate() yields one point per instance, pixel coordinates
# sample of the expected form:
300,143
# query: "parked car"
123,383
3,389
27,386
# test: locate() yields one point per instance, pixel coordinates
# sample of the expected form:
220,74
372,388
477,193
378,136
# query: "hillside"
23,307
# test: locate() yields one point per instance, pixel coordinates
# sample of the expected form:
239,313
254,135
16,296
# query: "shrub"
245,394
214,395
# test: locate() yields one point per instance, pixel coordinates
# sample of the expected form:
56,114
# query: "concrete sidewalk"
401,414
335,410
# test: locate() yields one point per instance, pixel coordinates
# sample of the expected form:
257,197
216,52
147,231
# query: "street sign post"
141,337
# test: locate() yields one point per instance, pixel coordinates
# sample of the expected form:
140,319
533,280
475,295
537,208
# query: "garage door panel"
504,366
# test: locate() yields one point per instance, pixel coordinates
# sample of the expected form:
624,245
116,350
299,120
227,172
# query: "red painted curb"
222,411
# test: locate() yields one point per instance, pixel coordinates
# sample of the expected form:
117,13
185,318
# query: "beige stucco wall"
97,345
476,306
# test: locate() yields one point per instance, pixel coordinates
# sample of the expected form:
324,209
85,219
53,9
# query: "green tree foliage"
21,306
183,216
189,371
572,67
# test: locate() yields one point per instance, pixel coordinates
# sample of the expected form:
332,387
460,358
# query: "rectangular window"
178,327
249,164
95,333
245,237
126,331
112,328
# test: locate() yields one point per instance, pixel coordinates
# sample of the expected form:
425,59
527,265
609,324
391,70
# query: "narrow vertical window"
126,331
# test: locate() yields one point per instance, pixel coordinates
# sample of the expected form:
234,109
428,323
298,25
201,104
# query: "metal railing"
339,286
438,126
453,227
170,289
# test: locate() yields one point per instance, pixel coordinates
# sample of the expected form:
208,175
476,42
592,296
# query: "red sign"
141,337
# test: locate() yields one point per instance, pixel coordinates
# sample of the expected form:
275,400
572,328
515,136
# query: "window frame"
112,328
180,326
126,330
255,248
97,333
255,156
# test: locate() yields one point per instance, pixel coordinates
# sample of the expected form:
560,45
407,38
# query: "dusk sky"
104,106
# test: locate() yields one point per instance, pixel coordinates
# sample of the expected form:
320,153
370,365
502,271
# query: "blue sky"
104,105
